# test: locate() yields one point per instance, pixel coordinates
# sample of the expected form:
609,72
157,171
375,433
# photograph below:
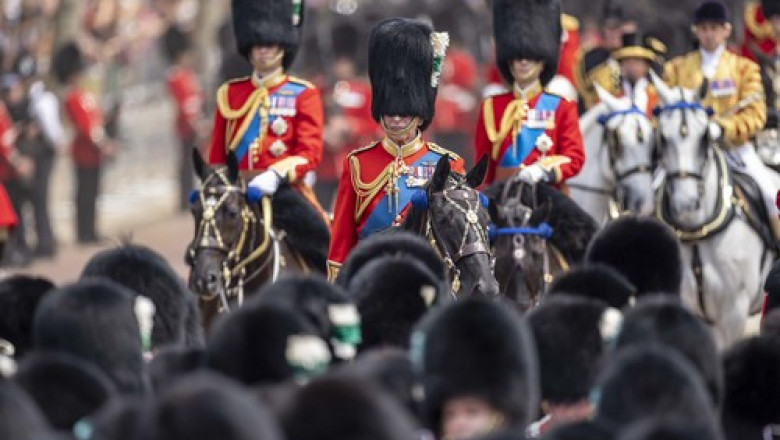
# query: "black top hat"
635,45
711,11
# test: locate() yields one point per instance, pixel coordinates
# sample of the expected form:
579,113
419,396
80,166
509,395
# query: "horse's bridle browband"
461,200
208,236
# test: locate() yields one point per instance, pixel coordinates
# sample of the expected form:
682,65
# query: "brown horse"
244,239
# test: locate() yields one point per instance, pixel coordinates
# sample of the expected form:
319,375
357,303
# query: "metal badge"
278,148
544,143
279,126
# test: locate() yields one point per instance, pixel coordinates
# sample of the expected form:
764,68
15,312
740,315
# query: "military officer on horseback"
529,132
733,90
378,181
272,121
637,55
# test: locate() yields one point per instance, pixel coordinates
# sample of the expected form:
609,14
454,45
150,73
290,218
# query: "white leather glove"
533,174
267,182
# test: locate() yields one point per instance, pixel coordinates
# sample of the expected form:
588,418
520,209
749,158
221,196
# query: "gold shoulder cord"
257,101
511,120
443,151
366,191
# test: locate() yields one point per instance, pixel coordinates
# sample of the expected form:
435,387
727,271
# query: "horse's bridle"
239,257
614,146
467,202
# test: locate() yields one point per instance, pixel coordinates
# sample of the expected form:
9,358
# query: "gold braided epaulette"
443,151
223,101
301,81
362,149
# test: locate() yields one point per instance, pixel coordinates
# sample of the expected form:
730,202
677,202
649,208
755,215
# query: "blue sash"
384,213
530,132
282,104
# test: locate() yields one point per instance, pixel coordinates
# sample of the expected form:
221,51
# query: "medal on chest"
418,176
723,87
540,119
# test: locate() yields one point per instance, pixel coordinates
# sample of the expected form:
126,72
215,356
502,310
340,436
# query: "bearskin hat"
174,43
752,398
345,408
390,305
118,419
527,29
171,363
651,380
94,320
203,406
569,335
326,307
583,430
770,8
477,348
19,297
20,418
407,244
660,429
595,281
65,388
68,61
665,321
772,288
268,23
147,273
266,345
645,251
401,69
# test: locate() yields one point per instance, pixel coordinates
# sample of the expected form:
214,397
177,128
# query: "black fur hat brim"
595,281
400,67
392,294
772,288
481,349
646,252
67,62
527,29
19,298
569,345
753,382
267,23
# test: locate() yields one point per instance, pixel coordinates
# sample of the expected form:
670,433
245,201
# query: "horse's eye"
232,213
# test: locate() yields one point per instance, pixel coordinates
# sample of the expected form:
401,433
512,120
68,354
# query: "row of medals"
279,127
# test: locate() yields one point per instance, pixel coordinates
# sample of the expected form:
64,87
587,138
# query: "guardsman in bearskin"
734,91
636,57
271,121
377,182
597,66
529,132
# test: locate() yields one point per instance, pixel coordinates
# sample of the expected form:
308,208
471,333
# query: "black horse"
452,215
243,240
529,255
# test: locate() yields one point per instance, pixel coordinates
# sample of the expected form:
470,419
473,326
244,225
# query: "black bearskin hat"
147,273
402,243
20,418
652,380
527,29
752,388
174,43
772,288
19,298
265,345
660,429
171,363
68,61
326,307
65,388
345,408
268,23
665,321
203,406
95,320
645,251
401,69
770,8
392,294
595,281
477,348
570,334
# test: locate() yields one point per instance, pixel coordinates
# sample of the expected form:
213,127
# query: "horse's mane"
306,230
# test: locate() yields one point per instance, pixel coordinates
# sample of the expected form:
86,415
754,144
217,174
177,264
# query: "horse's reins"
208,232
460,199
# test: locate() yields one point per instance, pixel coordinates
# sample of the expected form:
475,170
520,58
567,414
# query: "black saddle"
749,195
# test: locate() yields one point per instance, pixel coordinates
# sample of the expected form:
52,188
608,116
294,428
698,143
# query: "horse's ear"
664,91
612,102
439,179
476,175
232,167
201,168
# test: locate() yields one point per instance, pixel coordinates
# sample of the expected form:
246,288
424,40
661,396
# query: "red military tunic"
499,119
274,123
363,196
758,40
7,146
185,89
570,47
87,119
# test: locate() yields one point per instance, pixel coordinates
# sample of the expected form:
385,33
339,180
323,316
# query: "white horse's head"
685,138
629,140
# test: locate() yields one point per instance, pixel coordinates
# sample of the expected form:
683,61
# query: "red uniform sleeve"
309,123
217,153
569,140
482,145
344,228
79,115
